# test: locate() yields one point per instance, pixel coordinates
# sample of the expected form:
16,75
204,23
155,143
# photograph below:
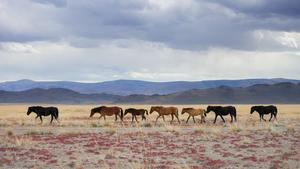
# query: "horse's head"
30,109
209,109
146,112
153,108
253,109
183,110
126,112
94,110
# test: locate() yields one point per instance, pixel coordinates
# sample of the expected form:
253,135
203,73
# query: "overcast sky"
155,40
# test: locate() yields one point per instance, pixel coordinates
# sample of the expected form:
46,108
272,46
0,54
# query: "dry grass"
16,129
77,116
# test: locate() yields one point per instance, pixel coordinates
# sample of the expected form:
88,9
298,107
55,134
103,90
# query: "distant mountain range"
129,87
256,94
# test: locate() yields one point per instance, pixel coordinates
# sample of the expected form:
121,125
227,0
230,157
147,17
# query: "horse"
222,111
262,110
173,111
194,112
108,111
44,111
136,112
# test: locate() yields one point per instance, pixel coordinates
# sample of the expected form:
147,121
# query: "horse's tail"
56,113
275,111
122,114
234,113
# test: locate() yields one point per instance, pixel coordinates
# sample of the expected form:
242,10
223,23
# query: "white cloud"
18,47
142,60
150,40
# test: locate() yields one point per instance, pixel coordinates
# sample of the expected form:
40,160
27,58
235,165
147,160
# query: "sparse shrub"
106,124
111,132
96,125
72,164
199,131
3,125
9,133
291,129
147,124
39,132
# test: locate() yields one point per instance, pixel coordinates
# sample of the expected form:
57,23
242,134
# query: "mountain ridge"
128,87
286,93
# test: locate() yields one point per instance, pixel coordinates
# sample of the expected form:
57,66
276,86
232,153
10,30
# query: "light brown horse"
173,111
194,112
108,111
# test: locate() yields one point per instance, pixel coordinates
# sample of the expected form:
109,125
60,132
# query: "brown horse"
136,112
194,112
173,111
108,111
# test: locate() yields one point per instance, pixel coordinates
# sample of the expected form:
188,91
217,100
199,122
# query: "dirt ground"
82,142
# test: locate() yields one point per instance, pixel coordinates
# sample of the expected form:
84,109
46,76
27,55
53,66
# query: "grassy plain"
78,141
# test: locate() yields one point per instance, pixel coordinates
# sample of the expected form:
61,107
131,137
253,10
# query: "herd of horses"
162,112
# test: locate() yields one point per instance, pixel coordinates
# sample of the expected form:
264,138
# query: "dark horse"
262,110
223,111
108,111
136,112
44,111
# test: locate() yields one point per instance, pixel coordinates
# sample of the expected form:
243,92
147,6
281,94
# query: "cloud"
264,8
144,61
150,40
56,3
188,24
18,48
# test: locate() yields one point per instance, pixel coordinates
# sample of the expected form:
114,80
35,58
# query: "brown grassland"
82,142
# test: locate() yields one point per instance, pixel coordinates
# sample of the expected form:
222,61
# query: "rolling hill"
257,94
286,93
128,87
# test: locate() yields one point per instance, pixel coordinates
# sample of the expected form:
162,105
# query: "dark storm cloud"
190,24
265,8
56,3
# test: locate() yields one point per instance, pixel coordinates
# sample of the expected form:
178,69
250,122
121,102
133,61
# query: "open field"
82,142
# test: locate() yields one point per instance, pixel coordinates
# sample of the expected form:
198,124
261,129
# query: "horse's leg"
163,118
231,118
135,118
116,117
132,118
194,119
172,118
104,117
157,118
216,118
202,119
177,118
187,120
100,116
262,116
120,117
222,118
51,119
271,116
41,119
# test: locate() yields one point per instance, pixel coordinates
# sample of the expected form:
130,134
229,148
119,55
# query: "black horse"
136,112
222,111
44,111
262,110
